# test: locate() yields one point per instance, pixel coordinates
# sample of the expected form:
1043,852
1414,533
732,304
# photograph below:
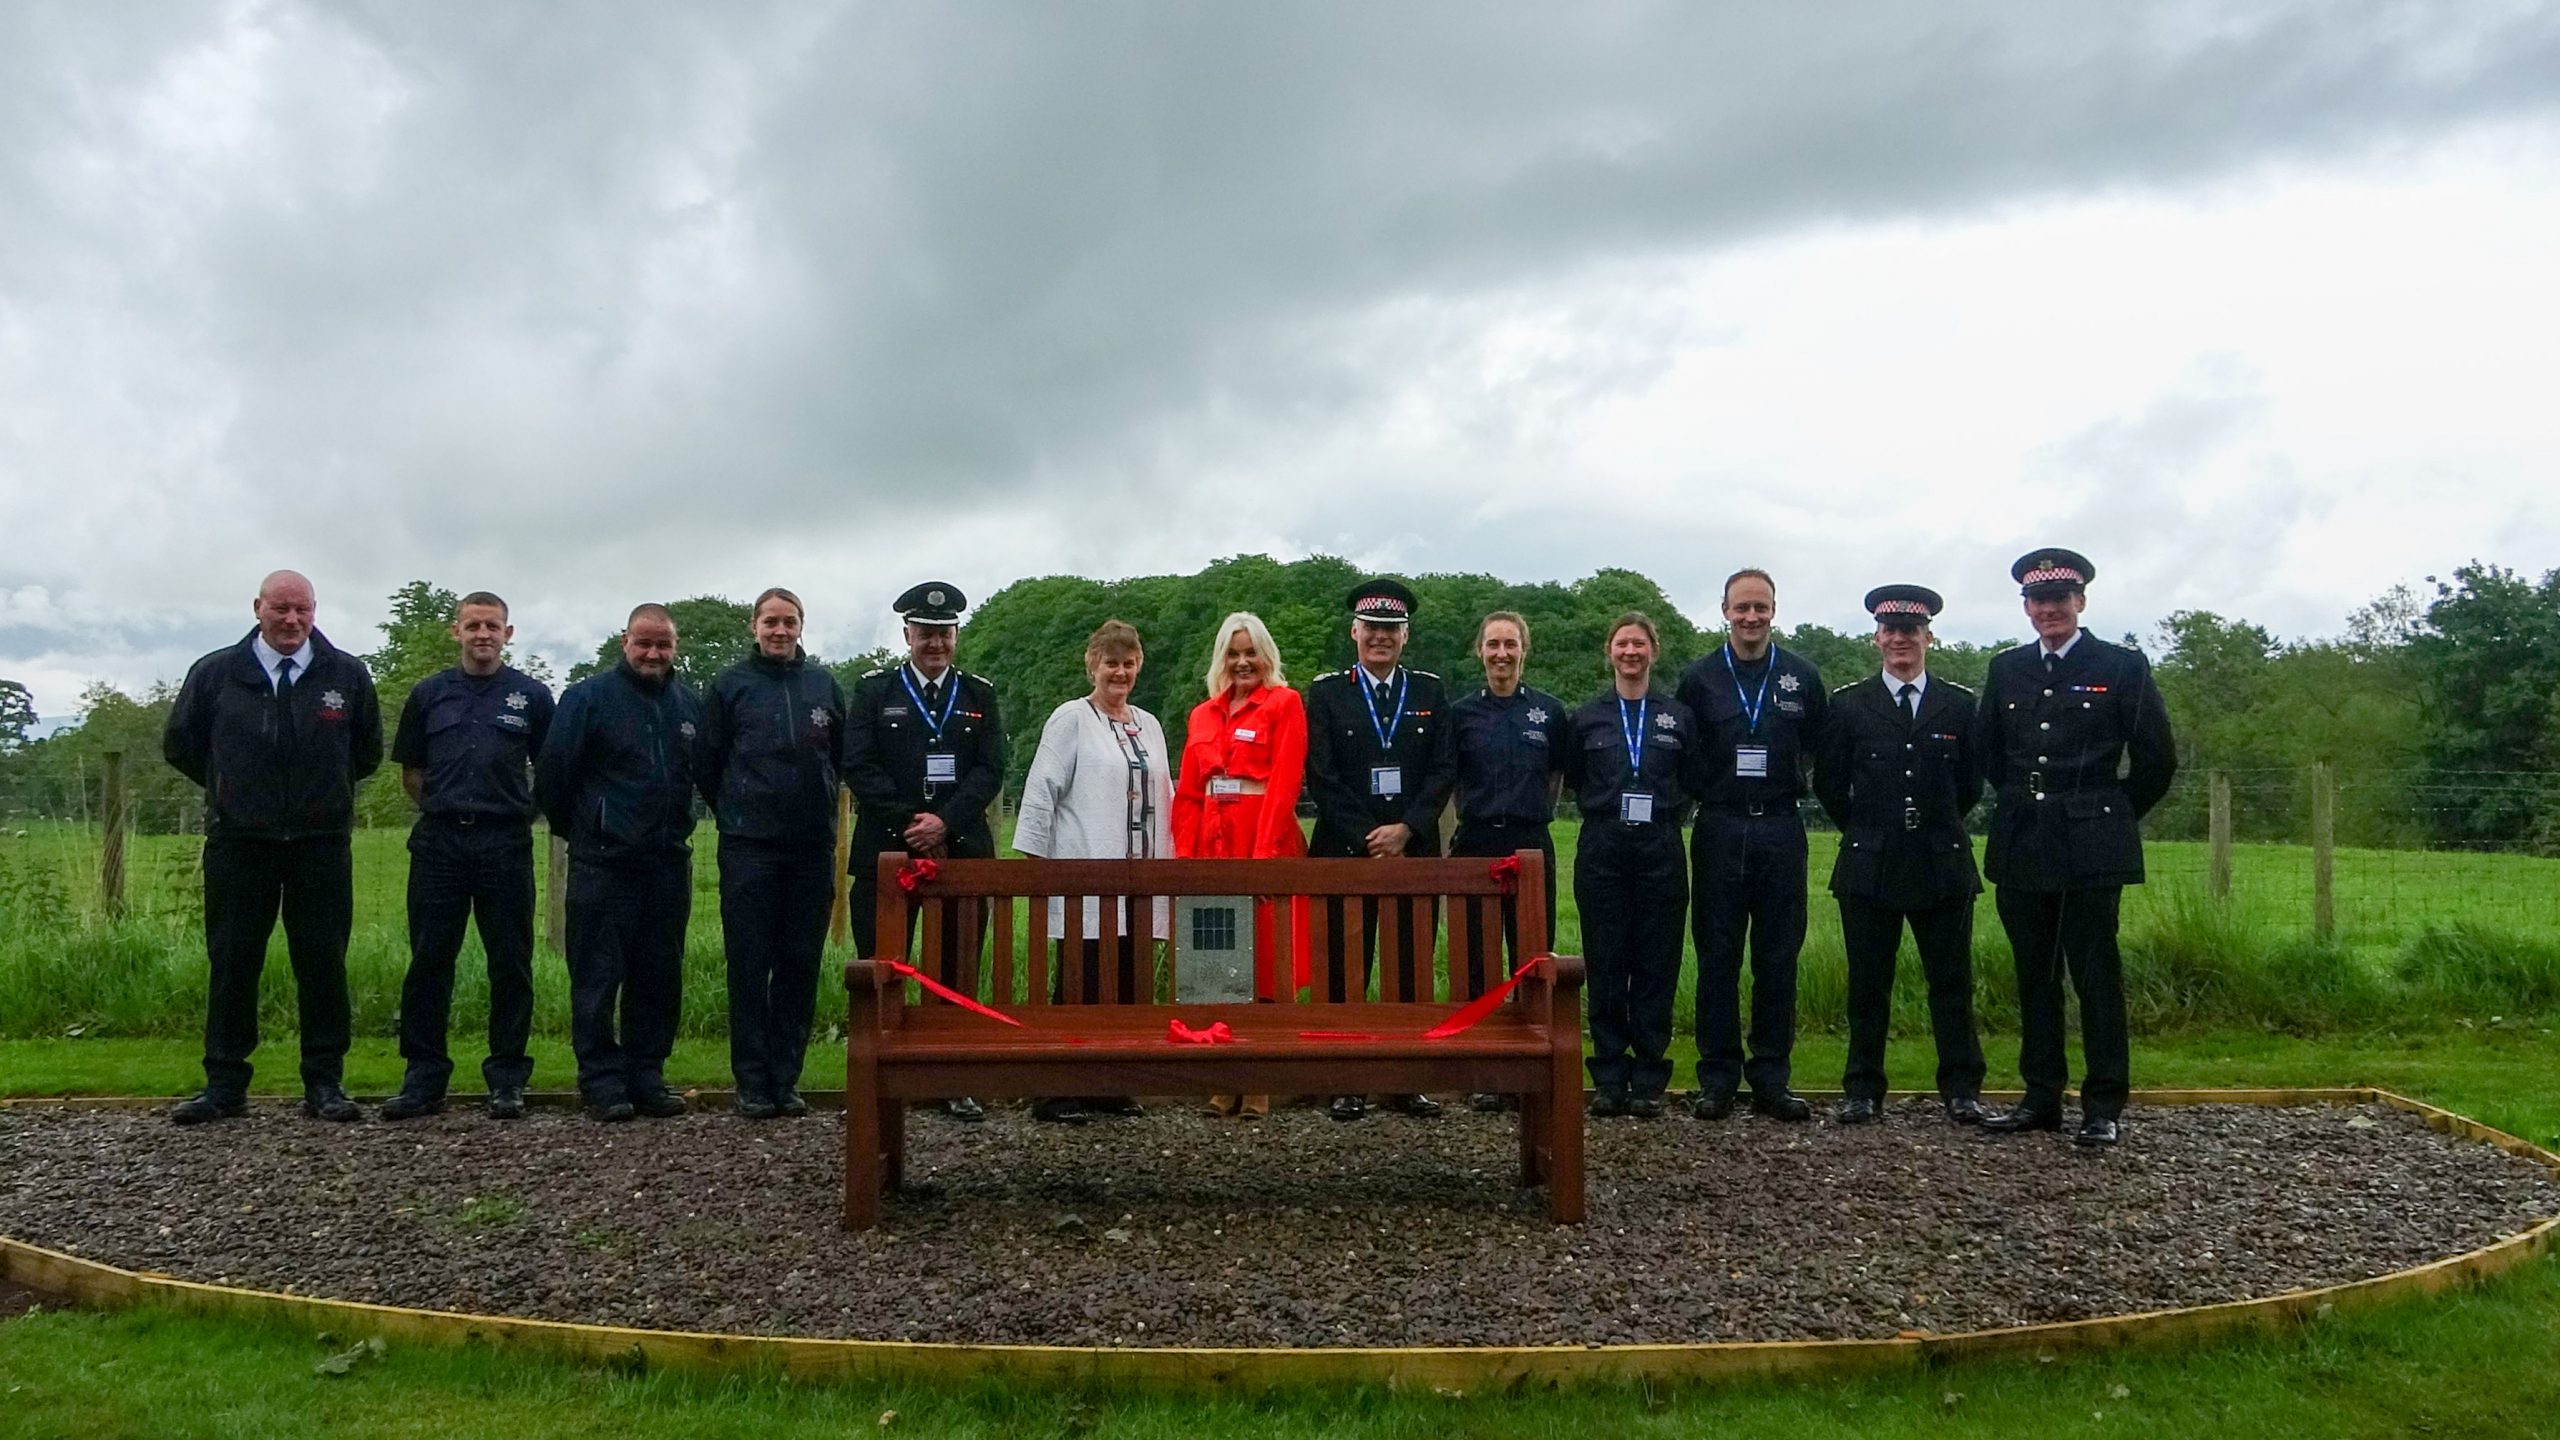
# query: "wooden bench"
904,1045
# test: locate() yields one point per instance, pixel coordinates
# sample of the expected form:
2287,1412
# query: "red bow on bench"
1506,873
1216,1034
917,872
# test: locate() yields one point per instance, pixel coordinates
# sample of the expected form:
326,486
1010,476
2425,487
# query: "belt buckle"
1755,807
465,817
1910,817
2035,782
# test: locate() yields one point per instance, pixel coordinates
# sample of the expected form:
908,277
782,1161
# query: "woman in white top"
1100,788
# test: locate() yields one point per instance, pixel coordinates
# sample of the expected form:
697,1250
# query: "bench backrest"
985,927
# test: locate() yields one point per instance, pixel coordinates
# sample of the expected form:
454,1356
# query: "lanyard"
1634,736
1751,705
950,701
1142,796
1384,729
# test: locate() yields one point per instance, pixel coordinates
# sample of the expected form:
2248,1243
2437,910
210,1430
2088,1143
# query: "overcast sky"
590,304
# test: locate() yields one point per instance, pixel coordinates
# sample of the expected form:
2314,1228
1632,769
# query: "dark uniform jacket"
2053,746
773,750
1675,761
1790,724
475,737
885,742
616,772
1343,748
276,769
1507,748
1899,791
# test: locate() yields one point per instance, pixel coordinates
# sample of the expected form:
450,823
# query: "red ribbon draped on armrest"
1506,873
937,988
1484,1004
1217,1034
915,873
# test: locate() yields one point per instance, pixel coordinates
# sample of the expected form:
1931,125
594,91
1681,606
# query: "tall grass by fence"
2420,935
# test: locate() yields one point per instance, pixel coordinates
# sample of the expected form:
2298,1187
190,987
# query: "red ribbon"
1481,1006
1506,873
1216,1034
915,873
937,988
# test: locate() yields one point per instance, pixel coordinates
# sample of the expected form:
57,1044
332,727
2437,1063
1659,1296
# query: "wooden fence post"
840,916
2219,829
111,851
555,926
2324,844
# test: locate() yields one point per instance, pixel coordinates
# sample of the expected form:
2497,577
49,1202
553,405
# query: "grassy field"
2485,1362
2421,935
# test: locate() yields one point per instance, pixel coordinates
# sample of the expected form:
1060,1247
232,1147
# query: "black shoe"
410,1104
207,1105
1784,1105
1964,1110
2097,1132
329,1102
659,1103
1857,1110
506,1103
1058,1110
610,1112
1711,1104
1488,1104
2018,1119
1348,1107
964,1110
1420,1107
790,1103
1124,1107
751,1106
1608,1102
1644,1107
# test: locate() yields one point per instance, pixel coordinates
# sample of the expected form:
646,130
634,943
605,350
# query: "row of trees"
2443,709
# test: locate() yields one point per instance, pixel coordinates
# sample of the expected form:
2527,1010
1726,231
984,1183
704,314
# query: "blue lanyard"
950,701
1385,729
1751,705
1634,735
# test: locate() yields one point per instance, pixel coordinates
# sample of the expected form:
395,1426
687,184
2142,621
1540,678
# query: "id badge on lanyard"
1386,781
1751,762
941,767
1635,808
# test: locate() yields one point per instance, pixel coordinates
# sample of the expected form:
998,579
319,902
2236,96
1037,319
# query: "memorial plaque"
1213,949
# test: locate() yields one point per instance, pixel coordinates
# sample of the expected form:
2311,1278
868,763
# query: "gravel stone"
1183,1229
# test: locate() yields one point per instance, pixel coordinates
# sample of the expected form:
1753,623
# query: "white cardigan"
1080,795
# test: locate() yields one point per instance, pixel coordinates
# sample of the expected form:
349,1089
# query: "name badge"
1247,735
1751,762
1636,809
1386,781
941,767
1226,785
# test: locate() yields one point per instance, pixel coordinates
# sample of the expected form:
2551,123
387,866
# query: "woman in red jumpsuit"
1244,758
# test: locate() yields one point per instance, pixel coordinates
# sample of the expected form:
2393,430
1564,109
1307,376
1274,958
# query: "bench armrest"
874,996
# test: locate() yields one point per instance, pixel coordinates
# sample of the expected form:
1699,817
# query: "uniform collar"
269,657
2058,652
1893,686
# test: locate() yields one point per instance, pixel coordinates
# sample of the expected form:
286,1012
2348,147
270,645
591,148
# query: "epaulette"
1950,684
876,674
1425,674
1839,690
1328,675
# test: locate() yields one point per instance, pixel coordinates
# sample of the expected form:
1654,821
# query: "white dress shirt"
272,658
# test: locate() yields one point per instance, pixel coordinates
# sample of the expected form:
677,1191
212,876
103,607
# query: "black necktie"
1386,696
933,696
1910,702
284,677
2052,661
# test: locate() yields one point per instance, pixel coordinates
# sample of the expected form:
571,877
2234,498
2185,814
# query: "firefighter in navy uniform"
1634,761
615,777
277,729
924,756
772,756
1381,759
1762,711
465,748
2076,746
1510,739
1897,770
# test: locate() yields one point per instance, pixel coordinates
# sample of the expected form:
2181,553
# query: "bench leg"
1533,1139
861,1162
893,1142
1564,1157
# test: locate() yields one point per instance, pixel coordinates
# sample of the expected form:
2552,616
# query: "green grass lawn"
2485,1362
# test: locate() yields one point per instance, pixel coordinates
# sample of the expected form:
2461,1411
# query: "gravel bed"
1183,1229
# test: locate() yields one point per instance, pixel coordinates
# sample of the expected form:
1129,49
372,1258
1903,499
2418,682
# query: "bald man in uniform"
278,729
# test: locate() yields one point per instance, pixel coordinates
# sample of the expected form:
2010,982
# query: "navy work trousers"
1747,888
774,899
1631,885
247,884
461,867
2053,932
1943,933
626,972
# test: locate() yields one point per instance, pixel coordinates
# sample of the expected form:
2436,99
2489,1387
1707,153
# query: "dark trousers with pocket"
248,883
461,869
2058,932
1747,888
774,900
1943,933
626,972
1493,841
1630,884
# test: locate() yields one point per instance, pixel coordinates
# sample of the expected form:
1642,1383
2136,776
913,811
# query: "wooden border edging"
1449,1367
